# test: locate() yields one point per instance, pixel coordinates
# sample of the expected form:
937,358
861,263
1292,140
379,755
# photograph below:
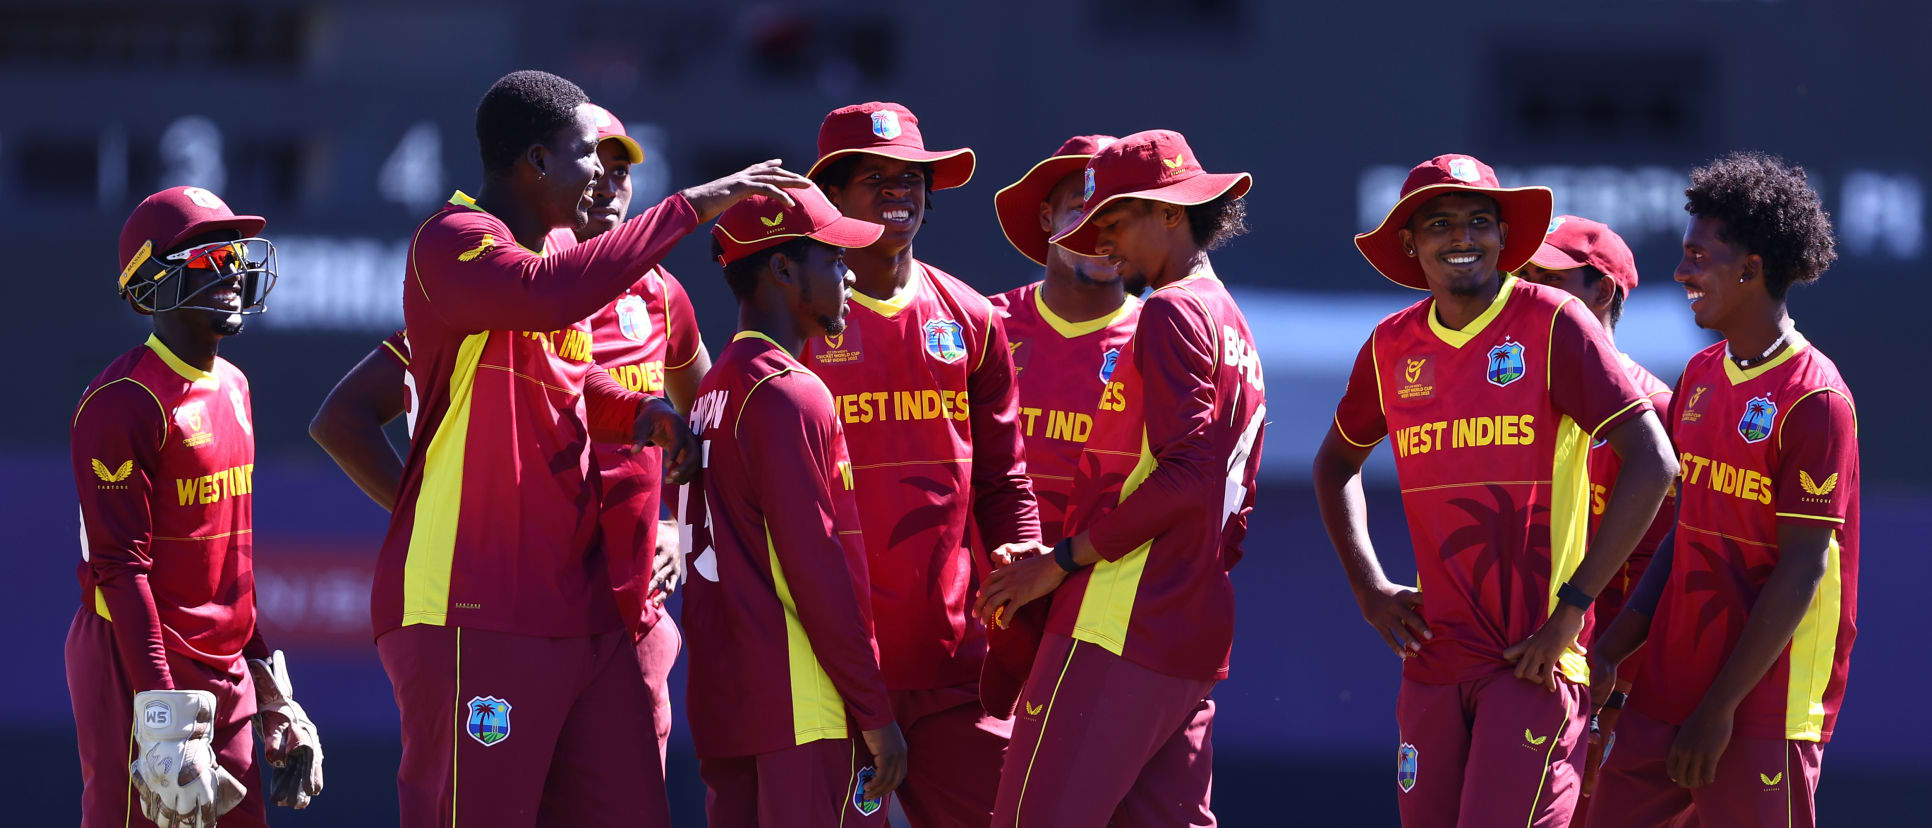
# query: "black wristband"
1616,700
1063,555
1569,594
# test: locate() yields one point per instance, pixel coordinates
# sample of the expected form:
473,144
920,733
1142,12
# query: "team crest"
633,318
866,806
1506,363
944,340
1405,767
489,720
1107,363
885,124
1554,223
1087,194
1464,169
1755,425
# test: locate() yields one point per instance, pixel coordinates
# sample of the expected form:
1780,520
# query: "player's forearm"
257,647
681,383
137,630
612,409
363,452
1006,510
1774,617
1648,468
1344,512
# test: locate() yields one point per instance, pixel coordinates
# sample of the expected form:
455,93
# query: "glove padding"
288,737
174,770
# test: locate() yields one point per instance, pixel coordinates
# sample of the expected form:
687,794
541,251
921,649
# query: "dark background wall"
345,122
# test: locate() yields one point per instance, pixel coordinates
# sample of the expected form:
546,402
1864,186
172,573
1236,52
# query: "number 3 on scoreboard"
694,521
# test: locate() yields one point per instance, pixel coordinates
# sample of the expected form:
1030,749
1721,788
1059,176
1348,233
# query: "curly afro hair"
1218,222
523,108
1766,207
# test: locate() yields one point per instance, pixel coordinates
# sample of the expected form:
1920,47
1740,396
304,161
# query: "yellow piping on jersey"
439,501
1739,376
1811,653
1108,605
188,372
1801,398
818,711
151,395
1456,339
889,308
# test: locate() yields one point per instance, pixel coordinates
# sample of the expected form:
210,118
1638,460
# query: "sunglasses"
220,257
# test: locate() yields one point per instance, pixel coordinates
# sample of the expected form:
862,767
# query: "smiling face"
610,193
1720,279
1060,211
568,165
1457,238
1132,236
885,191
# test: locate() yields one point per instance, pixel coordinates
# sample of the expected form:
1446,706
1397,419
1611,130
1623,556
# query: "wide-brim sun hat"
1523,208
1156,165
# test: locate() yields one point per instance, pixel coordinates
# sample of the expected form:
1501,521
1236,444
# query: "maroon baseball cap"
1574,241
1018,204
1156,165
1521,207
609,128
166,219
762,221
889,130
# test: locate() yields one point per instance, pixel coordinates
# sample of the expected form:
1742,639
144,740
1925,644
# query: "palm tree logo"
1506,363
1506,537
1724,582
1755,425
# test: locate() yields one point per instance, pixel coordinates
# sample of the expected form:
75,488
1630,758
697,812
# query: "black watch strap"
1569,594
1616,700
1063,555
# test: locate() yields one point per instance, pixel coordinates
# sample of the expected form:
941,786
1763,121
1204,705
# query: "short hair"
1766,206
523,108
1591,276
742,275
1218,222
837,173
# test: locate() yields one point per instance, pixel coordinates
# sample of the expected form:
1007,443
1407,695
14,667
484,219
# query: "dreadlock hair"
1217,222
523,108
1765,206
742,275
839,173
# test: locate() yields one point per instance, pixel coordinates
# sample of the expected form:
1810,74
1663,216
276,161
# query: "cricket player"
647,339
165,663
1755,600
922,379
784,665
1589,261
1493,390
493,609
1117,722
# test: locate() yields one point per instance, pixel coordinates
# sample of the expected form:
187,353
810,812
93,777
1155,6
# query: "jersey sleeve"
1587,380
1359,415
610,408
790,431
681,338
117,437
474,281
1174,351
396,348
1817,470
1003,504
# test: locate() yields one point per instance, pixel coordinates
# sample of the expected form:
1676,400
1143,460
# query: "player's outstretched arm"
765,178
349,425
1388,607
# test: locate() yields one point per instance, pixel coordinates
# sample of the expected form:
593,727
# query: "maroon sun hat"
892,131
609,128
1156,165
1574,241
1521,207
166,219
762,221
1018,204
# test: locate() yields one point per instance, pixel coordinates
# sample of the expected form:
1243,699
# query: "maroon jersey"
777,613
164,465
1061,367
1165,486
923,384
1492,428
1758,447
495,525
1604,465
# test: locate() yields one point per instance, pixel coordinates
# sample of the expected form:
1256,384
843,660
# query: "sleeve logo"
1811,487
489,241
127,467
1755,425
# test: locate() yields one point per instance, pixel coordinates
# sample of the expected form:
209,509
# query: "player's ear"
1502,231
1173,215
1407,237
785,271
538,155
1606,293
1046,217
1753,268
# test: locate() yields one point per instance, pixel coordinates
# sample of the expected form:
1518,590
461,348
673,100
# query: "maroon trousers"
1493,751
813,785
1760,782
1100,740
104,722
512,730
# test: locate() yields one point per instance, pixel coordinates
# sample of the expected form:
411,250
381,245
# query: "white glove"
174,770
288,737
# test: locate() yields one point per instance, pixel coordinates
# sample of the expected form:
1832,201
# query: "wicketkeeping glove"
288,737
174,769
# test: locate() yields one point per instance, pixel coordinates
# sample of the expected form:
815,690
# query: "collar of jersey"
1074,330
1739,376
462,199
188,372
1457,339
1206,270
757,335
889,308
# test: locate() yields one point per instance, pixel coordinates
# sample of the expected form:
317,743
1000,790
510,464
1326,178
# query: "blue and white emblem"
865,805
1107,363
1506,363
1759,414
633,318
1087,194
489,720
945,341
885,124
1405,767
1555,223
